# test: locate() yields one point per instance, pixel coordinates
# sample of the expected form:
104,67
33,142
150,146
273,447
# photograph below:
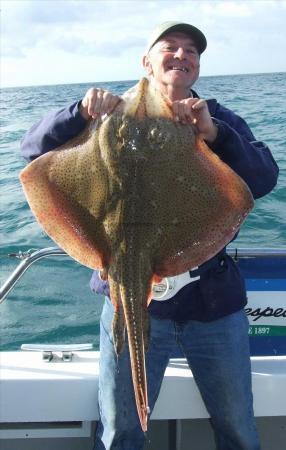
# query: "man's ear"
147,64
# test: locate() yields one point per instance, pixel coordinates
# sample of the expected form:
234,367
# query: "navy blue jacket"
220,289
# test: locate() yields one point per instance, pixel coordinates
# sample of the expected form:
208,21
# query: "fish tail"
118,322
118,330
135,331
145,327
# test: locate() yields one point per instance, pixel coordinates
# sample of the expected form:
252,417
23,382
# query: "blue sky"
73,41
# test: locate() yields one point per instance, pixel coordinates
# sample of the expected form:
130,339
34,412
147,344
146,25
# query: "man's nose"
180,53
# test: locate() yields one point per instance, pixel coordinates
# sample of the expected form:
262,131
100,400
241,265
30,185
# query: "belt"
169,286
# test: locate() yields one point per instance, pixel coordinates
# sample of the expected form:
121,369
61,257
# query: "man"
206,317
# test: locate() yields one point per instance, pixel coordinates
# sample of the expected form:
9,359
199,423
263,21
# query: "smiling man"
173,65
206,317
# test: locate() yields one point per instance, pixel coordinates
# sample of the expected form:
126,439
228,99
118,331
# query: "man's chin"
178,78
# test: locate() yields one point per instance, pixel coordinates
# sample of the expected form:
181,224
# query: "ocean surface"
52,303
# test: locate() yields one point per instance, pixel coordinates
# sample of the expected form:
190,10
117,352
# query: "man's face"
174,60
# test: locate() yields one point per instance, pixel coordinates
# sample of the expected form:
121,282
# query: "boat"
48,393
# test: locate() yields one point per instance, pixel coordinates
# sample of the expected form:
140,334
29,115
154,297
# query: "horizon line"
135,80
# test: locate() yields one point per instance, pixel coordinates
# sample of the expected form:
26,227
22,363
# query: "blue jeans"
218,354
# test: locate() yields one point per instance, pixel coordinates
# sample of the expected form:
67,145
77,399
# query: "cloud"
106,48
243,35
12,51
227,9
71,25
47,12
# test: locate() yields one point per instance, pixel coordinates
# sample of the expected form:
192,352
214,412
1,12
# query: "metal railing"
30,257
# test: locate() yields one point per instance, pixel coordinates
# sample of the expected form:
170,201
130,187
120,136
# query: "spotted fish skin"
129,288
141,197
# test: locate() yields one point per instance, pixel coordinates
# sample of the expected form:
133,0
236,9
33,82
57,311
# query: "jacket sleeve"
250,159
52,131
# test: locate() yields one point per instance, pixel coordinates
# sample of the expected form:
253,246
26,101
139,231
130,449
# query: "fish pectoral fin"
67,190
68,223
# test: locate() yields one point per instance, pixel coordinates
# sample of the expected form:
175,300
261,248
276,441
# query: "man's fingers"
183,112
98,102
106,103
189,114
196,112
175,109
112,103
199,104
180,111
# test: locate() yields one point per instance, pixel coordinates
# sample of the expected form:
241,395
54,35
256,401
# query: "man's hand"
98,102
196,111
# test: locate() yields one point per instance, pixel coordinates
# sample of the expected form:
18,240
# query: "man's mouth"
182,69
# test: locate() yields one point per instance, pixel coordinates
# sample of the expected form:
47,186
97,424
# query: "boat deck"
57,399
53,405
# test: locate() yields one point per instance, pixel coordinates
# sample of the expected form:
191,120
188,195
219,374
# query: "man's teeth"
183,69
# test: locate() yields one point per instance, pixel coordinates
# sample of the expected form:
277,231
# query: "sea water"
52,303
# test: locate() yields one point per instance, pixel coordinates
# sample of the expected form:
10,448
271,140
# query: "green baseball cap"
171,26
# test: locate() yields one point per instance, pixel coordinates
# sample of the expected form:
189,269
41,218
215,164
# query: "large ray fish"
140,197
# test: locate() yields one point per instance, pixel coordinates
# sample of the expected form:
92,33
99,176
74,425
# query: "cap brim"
197,36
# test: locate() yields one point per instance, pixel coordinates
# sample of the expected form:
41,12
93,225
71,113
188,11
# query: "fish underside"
139,197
